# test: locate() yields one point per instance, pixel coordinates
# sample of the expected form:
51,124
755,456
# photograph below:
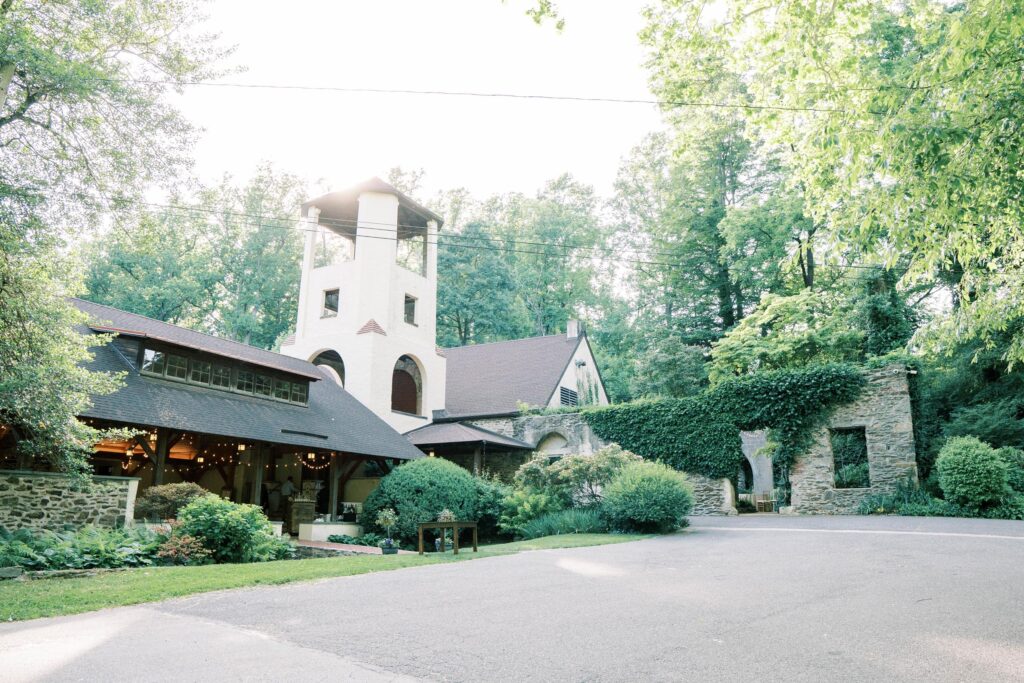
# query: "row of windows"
174,366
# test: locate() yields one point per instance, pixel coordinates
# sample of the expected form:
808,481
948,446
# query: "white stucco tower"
368,300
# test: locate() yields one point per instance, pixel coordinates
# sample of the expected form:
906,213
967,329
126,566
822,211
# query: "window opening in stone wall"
330,304
569,397
850,453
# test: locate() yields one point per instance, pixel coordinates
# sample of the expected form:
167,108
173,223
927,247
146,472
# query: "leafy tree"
227,263
901,122
80,116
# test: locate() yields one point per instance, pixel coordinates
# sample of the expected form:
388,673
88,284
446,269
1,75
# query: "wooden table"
455,527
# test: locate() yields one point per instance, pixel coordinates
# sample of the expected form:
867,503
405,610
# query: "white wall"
575,377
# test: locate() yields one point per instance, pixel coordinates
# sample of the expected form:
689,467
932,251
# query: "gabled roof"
342,202
114,320
440,433
492,379
332,420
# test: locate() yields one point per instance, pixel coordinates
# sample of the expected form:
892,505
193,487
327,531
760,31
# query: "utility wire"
448,241
488,95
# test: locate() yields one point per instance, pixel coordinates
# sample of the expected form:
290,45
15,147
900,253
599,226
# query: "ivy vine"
701,434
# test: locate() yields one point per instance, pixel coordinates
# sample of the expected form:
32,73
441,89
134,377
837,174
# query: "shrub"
164,501
853,476
574,479
87,548
648,497
575,521
183,549
490,505
231,532
418,491
906,492
1014,459
524,506
368,539
971,473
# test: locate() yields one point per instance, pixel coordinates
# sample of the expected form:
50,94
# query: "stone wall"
712,496
45,500
532,429
883,410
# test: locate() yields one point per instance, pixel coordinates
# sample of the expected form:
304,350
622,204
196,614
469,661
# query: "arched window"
406,386
553,445
331,360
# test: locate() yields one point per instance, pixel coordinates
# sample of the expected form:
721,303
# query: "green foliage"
850,453
164,501
87,548
999,422
906,493
701,434
231,532
418,491
368,539
1014,459
230,267
648,497
523,506
182,549
574,479
387,519
572,521
788,332
490,506
971,473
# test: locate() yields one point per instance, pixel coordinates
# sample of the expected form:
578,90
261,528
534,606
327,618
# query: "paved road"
763,598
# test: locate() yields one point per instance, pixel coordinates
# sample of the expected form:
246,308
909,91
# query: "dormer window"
331,300
225,376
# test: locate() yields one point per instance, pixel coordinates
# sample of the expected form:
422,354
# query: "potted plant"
388,518
445,515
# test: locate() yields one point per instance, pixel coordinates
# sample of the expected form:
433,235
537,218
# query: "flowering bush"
184,550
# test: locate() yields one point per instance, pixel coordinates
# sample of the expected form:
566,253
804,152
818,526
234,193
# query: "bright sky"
485,145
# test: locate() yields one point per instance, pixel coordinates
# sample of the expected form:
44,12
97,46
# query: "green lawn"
53,597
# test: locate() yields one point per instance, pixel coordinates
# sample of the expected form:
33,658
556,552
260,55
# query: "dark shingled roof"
109,319
491,379
333,420
461,432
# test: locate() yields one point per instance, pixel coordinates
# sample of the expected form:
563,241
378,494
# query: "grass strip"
20,600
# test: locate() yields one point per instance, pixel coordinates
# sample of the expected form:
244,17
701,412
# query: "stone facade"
45,500
712,496
533,429
883,410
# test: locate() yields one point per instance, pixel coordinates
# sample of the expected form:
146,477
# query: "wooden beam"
259,459
160,458
333,479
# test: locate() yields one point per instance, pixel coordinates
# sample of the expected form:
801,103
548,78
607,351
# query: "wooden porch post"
334,475
160,462
259,457
478,461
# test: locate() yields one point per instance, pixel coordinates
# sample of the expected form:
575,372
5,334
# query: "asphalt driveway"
759,598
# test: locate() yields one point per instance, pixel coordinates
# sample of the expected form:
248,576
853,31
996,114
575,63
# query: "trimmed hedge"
972,473
573,521
648,497
231,532
700,434
421,489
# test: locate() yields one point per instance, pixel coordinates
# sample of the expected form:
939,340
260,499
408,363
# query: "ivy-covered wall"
701,434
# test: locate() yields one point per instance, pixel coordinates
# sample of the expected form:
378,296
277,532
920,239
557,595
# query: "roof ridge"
189,329
506,341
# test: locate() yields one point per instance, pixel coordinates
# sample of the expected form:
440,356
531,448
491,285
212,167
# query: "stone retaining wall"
883,410
45,500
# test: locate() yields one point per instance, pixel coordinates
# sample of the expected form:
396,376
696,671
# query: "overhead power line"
456,241
672,103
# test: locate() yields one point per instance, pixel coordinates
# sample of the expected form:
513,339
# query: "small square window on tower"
330,304
410,309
